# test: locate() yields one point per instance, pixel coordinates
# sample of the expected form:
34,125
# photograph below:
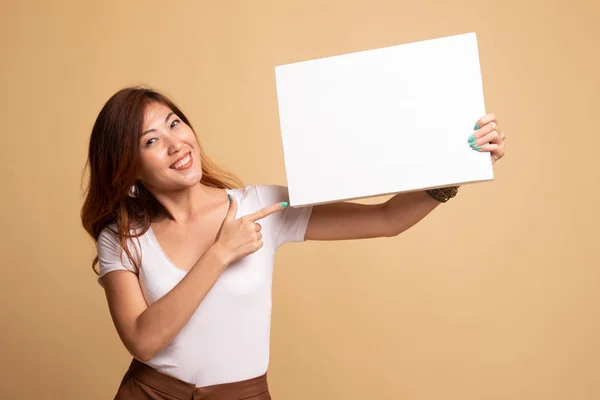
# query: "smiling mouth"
183,163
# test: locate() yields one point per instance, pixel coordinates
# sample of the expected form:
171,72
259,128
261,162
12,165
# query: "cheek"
191,138
195,147
150,163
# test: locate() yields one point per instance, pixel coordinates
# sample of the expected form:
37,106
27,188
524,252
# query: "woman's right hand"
240,237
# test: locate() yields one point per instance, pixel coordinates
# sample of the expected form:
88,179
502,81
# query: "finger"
255,246
494,136
265,212
491,137
486,119
257,226
481,132
232,208
496,150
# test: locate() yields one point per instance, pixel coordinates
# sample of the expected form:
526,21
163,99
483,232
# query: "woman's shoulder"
110,233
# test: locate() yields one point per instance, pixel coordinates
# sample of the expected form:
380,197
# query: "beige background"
493,296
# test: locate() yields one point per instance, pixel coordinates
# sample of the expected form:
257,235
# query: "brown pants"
142,382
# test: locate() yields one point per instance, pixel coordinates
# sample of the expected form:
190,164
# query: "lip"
187,165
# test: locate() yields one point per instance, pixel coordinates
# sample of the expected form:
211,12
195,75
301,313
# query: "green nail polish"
284,204
476,147
476,126
229,197
472,138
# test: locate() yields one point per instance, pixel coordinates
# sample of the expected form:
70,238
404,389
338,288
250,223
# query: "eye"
174,123
149,142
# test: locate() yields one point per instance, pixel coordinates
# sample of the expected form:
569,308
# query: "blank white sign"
382,121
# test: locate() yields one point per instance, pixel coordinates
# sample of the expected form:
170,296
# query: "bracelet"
443,194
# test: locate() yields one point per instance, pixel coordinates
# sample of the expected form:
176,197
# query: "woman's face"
170,157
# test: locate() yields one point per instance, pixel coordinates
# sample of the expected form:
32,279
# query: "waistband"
186,390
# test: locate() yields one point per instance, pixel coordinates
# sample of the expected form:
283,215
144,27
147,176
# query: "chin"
193,180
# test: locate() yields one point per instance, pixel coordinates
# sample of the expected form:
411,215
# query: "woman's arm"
146,330
345,221
339,221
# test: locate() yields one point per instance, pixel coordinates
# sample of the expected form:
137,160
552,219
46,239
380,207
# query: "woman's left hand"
488,137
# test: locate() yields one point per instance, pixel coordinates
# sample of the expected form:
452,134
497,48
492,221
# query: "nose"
175,144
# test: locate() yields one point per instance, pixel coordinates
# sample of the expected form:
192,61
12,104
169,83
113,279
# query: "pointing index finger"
265,212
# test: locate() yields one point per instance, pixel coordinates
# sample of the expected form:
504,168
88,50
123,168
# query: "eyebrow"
153,130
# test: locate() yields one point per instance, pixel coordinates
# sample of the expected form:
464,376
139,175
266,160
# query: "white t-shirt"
227,337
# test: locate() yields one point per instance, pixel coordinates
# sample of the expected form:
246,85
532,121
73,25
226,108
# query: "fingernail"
476,147
472,139
476,126
284,204
229,197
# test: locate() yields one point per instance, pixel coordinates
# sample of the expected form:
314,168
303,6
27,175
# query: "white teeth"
182,162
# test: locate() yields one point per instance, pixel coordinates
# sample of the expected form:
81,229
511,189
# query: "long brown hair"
113,158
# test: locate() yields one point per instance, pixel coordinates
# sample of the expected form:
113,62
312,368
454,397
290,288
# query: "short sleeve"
109,254
288,225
